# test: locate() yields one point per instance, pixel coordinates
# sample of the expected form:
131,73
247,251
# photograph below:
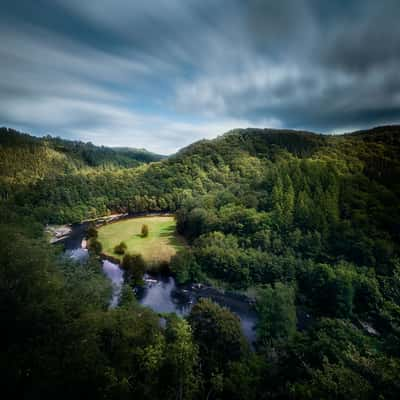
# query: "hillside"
25,158
84,178
341,192
307,225
29,163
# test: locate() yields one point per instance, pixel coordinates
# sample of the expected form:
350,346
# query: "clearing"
160,245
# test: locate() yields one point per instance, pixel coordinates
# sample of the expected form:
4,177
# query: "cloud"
163,73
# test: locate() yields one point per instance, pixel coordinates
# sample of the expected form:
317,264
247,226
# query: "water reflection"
78,254
116,276
161,296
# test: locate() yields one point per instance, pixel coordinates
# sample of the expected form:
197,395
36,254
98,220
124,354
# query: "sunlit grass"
160,245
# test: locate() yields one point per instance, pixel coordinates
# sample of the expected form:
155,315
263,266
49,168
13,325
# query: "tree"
184,267
92,232
344,294
277,314
127,298
334,382
181,358
220,256
219,335
95,246
278,202
134,267
120,248
32,302
330,289
145,230
288,200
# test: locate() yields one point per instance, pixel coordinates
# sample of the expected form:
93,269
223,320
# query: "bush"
145,230
185,268
120,248
134,267
95,246
277,314
92,231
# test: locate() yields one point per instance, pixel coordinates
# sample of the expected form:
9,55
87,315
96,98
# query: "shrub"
134,267
92,231
145,230
95,246
120,248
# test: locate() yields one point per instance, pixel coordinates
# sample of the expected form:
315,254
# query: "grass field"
160,245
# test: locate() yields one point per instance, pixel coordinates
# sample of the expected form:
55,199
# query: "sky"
160,74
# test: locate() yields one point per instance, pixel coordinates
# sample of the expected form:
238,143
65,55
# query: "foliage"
92,232
134,267
95,246
120,248
145,230
181,360
308,222
277,314
185,268
219,335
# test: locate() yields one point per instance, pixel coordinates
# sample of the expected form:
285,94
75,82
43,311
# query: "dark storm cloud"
160,74
369,40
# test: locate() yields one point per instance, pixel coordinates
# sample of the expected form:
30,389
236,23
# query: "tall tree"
277,314
218,334
181,359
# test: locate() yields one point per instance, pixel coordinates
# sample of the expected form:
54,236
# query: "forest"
307,225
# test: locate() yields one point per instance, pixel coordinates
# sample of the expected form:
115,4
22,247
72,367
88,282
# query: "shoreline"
76,233
161,250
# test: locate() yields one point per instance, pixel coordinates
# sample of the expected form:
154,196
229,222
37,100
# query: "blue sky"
162,74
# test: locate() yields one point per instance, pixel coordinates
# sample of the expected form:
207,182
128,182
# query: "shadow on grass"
176,241
171,236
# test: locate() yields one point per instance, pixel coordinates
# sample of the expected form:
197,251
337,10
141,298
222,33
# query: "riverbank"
57,232
161,293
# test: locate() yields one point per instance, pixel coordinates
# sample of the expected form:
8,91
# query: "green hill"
308,225
30,163
24,158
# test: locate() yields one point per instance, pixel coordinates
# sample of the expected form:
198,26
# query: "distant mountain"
300,143
261,142
139,154
75,180
25,158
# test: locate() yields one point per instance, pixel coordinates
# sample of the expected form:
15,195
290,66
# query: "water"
78,254
161,294
116,276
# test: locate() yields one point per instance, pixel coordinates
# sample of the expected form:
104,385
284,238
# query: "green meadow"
160,245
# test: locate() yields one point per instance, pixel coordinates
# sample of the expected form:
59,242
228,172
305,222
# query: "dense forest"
27,162
308,225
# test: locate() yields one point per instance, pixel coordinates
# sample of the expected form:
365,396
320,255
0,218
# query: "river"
161,293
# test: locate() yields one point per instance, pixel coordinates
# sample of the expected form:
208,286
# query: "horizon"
277,130
164,74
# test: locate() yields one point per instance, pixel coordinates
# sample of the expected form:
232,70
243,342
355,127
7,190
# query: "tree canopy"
306,225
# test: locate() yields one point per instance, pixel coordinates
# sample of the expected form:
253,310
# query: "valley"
160,291
306,224
200,200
